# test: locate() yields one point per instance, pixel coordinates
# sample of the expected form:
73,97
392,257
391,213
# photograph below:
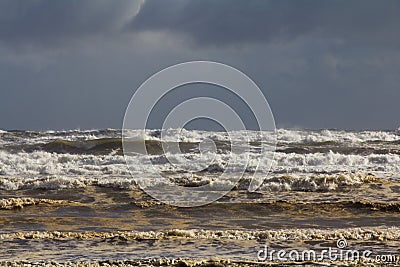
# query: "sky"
321,64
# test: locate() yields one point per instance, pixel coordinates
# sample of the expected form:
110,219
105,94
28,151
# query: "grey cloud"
321,64
237,21
49,22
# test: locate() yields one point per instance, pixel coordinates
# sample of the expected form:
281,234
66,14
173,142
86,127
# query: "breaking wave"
371,233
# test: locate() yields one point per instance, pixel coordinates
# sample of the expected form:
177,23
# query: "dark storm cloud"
321,64
238,21
48,22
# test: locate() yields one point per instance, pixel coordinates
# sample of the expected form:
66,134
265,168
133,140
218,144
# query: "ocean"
69,197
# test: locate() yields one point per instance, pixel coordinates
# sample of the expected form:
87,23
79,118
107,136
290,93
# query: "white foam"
283,136
376,233
44,163
51,170
30,138
305,136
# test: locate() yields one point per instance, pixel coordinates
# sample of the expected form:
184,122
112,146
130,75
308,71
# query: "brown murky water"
100,223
